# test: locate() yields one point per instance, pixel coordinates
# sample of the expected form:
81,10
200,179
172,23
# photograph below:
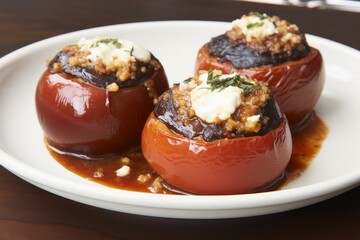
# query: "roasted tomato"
292,68
216,158
225,166
82,115
289,82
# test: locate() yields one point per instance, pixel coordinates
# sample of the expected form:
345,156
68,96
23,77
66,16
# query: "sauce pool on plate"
132,172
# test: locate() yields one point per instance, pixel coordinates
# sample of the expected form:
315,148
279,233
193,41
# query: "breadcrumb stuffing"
156,186
246,117
285,36
113,87
99,173
143,178
125,160
108,56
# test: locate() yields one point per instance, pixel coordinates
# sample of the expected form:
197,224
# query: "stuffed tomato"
218,134
95,96
273,50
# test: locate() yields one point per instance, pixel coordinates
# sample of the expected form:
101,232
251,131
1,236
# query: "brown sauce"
306,144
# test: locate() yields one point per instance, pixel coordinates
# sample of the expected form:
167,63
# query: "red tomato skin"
296,85
90,122
226,166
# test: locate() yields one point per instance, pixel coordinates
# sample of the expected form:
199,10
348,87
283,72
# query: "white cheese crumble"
217,105
108,50
254,118
252,121
123,171
254,27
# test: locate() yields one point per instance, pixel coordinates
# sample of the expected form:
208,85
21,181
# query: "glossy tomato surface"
81,119
226,166
296,85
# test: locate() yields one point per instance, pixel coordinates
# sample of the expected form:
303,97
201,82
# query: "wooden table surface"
27,212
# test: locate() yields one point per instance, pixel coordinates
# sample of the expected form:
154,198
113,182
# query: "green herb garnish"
262,17
236,81
253,25
107,41
187,80
132,51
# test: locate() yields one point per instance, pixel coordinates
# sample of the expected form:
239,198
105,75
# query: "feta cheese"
254,118
253,26
217,105
252,121
123,171
108,50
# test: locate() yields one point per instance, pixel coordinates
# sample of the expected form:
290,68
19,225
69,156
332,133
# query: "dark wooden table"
27,212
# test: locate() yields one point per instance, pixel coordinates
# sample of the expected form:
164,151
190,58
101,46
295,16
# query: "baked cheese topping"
107,56
213,106
214,97
109,51
265,32
255,26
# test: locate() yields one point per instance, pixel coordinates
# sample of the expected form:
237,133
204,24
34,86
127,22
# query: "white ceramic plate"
336,168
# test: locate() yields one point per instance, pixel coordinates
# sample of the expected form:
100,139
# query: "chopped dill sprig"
253,25
107,41
262,17
187,80
236,81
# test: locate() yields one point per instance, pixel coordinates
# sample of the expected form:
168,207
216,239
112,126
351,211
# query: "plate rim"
103,193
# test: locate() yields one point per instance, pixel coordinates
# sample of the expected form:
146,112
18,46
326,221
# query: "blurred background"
346,5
